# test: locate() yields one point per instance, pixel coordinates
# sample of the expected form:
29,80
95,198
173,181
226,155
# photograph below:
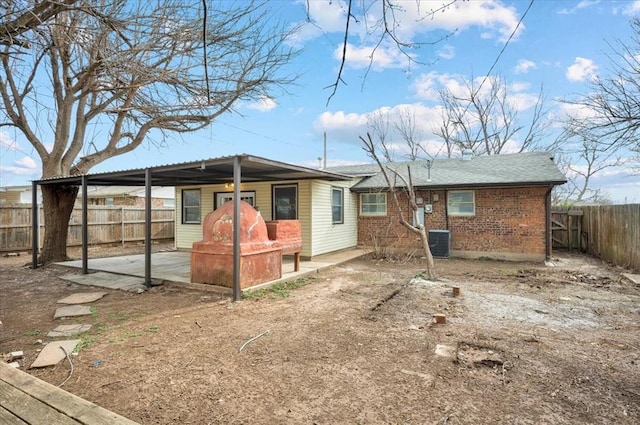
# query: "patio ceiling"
206,171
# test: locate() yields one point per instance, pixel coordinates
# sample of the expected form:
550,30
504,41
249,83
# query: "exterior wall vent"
440,243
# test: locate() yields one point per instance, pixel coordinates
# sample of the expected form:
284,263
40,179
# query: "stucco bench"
288,234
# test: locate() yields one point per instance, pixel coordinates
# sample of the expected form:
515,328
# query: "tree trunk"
58,202
431,268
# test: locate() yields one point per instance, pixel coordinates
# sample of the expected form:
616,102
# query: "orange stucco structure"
212,257
288,233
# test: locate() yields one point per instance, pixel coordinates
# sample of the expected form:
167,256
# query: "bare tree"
580,156
488,121
386,27
16,18
411,133
371,148
611,110
379,123
104,77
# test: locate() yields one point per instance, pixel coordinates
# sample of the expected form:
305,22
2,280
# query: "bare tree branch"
370,147
131,73
489,121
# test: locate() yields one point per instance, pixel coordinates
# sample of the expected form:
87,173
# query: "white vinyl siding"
312,209
329,236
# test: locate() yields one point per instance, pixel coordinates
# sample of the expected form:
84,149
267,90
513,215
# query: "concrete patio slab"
108,280
174,266
53,352
72,311
68,330
82,297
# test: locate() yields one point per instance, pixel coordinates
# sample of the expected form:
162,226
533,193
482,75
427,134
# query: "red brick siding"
509,220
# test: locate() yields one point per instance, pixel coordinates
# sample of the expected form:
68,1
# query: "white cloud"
584,4
263,104
427,85
6,142
384,57
524,65
26,162
582,69
447,52
23,167
347,127
632,9
412,21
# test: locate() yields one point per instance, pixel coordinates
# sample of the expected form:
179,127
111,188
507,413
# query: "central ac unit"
440,243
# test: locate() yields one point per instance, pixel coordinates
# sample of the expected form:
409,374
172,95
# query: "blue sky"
559,45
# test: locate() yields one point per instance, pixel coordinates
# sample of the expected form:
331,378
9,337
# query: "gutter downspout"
547,224
446,208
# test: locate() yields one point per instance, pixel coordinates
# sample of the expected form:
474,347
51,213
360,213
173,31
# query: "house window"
285,202
108,201
461,202
222,197
191,206
373,204
337,205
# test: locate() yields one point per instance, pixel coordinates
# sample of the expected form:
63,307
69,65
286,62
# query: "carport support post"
85,228
236,227
147,227
35,228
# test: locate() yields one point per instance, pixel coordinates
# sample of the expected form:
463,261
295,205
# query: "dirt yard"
355,344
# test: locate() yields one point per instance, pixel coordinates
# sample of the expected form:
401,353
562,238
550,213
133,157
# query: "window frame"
274,207
187,207
377,213
244,194
335,189
457,213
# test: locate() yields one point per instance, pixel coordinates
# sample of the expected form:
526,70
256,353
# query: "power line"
495,62
260,135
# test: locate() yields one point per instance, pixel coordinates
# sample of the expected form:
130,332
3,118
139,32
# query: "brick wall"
506,220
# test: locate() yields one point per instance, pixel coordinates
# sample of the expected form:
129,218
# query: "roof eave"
466,185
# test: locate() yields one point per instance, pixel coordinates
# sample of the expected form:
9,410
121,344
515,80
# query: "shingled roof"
530,169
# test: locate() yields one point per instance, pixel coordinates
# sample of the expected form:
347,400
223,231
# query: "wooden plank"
83,411
8,418
29,409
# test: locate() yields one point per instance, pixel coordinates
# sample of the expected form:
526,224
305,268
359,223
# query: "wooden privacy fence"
106,224
566,229
612,232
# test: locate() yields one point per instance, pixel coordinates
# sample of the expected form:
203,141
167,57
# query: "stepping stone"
108,280
635,278
52,354
82,297
72,310
68,330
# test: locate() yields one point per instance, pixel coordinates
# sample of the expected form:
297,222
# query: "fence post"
122,225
